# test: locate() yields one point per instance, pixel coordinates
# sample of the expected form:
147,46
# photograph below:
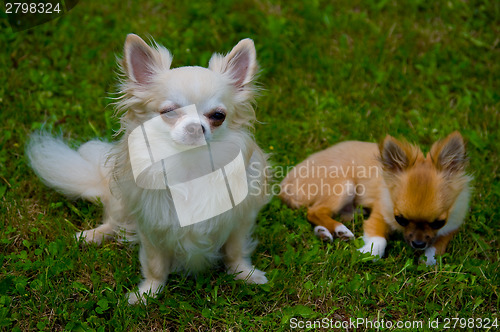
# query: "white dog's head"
222,93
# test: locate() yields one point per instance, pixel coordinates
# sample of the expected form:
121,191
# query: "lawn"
330,71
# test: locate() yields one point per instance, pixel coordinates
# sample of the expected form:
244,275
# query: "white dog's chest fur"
193,247
197,246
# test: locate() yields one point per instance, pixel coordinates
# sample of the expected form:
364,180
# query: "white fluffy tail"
76,174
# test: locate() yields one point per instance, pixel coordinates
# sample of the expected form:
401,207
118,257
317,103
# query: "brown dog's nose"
418,244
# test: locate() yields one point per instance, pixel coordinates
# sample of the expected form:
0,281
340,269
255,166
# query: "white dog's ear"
142,62
240,63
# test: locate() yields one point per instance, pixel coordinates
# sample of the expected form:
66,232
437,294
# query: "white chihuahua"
195,108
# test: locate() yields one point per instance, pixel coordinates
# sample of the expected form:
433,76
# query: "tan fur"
392,179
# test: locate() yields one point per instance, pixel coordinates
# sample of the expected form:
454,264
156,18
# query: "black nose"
418,244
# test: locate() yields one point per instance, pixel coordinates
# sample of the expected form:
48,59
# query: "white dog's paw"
375,246
89,237
430,255
146,289
323,234
257,277
95,235
134,298
343,233
248,274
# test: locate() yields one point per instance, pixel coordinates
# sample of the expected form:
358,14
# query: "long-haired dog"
425,198
186,176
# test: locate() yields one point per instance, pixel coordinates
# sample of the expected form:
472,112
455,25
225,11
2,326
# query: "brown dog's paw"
343,233
323,233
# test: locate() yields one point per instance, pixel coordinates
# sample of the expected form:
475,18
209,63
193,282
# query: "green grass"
331,71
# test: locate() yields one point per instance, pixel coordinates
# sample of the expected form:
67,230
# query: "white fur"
343,232
375,245
101,170
430,255
340,231
323,233
458,211
96,235
76,173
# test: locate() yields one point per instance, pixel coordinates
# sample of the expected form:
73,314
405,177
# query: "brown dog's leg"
375,225
442,242
438,248
321,216
375,232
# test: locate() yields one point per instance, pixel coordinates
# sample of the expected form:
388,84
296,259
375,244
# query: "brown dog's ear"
141,61
396,155
240,63
449,154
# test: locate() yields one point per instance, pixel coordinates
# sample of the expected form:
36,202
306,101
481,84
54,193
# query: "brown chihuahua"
426,198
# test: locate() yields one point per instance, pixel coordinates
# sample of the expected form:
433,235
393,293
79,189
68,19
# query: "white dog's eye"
216,117
169,111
